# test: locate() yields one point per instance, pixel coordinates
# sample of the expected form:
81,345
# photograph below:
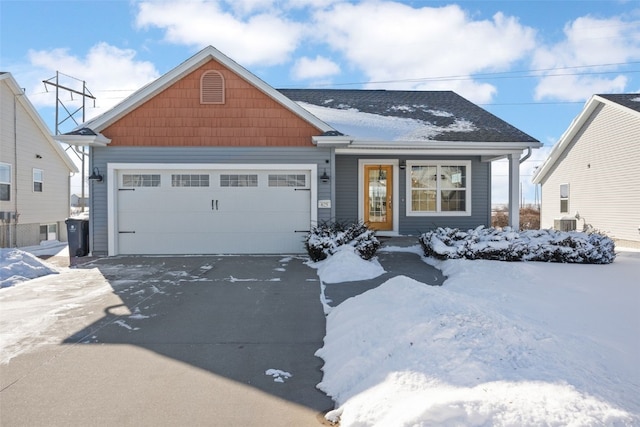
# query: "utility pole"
84,94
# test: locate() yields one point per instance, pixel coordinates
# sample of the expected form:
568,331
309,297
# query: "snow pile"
529,245
326,239
498,344
18,266
346,266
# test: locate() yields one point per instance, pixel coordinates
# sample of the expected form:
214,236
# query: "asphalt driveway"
216,341
198,341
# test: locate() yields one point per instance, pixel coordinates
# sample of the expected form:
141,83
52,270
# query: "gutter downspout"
526,156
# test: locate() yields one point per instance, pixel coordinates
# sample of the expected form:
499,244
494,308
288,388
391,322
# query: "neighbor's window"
564,198
438,188
5,181
38,179
140,180
240,180
287,180
189,180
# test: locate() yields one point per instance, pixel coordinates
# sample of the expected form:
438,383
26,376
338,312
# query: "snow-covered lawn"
503,344
523,343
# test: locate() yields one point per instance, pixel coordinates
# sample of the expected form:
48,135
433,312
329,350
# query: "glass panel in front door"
378,187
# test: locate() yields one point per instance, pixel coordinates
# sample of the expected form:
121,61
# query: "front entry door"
378,197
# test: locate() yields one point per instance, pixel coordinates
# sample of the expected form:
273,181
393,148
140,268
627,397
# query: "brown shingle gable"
175,117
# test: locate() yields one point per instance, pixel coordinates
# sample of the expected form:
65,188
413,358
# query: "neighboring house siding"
51,206
227,155
347,195
175,117
7,145
601,167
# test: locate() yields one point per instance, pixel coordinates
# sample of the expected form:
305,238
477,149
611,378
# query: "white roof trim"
98,140
147,92
35,116
494,154
567,137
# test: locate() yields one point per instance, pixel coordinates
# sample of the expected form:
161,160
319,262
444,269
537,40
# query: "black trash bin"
78,236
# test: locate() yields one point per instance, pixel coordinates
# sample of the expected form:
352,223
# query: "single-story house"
592,175
211,159
79,201
34,173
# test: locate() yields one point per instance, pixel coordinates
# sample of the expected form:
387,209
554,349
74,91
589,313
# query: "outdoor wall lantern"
324,177
403,164
95,176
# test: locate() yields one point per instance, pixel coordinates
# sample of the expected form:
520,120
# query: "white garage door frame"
114,168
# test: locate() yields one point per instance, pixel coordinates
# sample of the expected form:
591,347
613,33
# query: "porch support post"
514,191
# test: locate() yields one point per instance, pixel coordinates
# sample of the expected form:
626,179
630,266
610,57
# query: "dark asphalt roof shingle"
629,100
439,108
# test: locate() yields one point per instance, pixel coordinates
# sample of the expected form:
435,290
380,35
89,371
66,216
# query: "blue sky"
531,63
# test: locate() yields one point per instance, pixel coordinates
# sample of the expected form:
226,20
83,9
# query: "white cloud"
110,74
314,68
390,41
588,41
261,39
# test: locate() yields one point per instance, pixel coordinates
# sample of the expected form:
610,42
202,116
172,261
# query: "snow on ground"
498,344
37,296
346,266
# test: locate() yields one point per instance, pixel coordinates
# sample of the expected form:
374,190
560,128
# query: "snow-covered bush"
325,239
509,245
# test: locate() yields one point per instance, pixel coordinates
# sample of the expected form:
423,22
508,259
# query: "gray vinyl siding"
101,156
601,167
347,195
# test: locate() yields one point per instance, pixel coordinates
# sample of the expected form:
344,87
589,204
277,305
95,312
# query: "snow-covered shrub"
325,239
509,245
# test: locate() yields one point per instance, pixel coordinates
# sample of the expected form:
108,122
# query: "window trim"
567,199
8,183
438,164
35,181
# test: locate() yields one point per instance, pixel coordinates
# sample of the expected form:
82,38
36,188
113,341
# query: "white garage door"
212,211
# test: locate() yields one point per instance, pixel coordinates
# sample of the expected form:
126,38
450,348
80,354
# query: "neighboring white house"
79,201
592,175
34,173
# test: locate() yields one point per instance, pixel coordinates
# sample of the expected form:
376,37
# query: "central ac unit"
565,224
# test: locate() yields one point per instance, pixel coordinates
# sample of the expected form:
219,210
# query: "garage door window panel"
238,180
141,180
190,180
288,180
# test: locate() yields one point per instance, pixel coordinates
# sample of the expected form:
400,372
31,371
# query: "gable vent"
211,88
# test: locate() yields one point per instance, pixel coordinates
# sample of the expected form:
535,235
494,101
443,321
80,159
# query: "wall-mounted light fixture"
324,177
403,164
38,156
95,176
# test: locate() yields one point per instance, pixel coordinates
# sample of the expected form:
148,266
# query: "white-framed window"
439,188
38,180
564,198
48,232
5,182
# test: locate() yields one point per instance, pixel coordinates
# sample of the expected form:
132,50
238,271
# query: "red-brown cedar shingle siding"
175,117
